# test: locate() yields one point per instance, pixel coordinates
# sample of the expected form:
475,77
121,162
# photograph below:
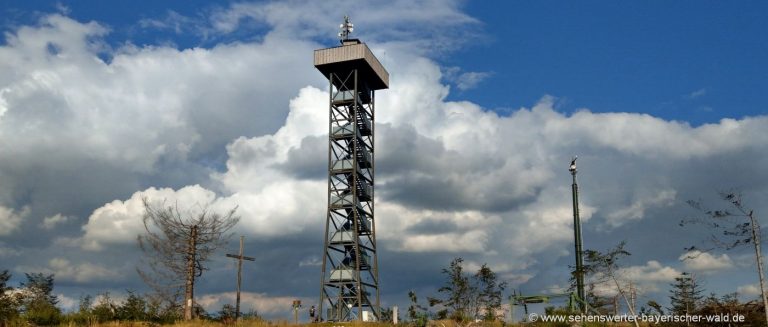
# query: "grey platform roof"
353,55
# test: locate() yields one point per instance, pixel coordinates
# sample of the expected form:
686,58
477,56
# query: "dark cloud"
309,160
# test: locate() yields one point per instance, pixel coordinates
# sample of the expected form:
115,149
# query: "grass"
243,323
283,323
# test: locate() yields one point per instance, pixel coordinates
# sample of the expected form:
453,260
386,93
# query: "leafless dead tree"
177,246
604,268
737,226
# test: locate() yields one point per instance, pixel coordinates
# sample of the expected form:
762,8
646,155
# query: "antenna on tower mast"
346,28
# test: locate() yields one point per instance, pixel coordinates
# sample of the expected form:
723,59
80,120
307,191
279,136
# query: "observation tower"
349,288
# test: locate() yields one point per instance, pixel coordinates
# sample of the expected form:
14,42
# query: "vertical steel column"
323,294
377,307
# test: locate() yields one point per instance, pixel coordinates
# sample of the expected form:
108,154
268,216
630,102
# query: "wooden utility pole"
240,257
759,259
189,293
632,297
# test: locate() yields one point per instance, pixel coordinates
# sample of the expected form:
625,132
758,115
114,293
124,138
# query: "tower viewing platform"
353,55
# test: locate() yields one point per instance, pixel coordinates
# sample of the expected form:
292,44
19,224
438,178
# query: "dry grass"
261,323
245,323
283,323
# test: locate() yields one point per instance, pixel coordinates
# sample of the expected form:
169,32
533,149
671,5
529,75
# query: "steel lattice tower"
350,272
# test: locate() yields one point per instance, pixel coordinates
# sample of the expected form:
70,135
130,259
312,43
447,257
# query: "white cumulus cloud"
264,304
10,219
51,222
64,269
750,290
122,221
705,261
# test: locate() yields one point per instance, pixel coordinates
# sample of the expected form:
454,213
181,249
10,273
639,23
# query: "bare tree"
603,267
177,245
737,226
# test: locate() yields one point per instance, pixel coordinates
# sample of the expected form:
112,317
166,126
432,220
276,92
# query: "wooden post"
394,315
189,292
758,259
296,306
632,297
240,257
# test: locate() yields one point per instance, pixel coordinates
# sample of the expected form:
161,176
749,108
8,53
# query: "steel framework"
350,272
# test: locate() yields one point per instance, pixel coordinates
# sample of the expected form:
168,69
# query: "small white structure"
394,315
368,316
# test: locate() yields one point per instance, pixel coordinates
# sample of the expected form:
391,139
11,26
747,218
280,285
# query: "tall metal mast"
579,273
349,287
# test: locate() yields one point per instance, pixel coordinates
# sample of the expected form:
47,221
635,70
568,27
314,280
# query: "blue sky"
104,103
689,61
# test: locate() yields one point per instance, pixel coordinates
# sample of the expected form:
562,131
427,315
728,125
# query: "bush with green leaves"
9,304
42,313
133,309
38,302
